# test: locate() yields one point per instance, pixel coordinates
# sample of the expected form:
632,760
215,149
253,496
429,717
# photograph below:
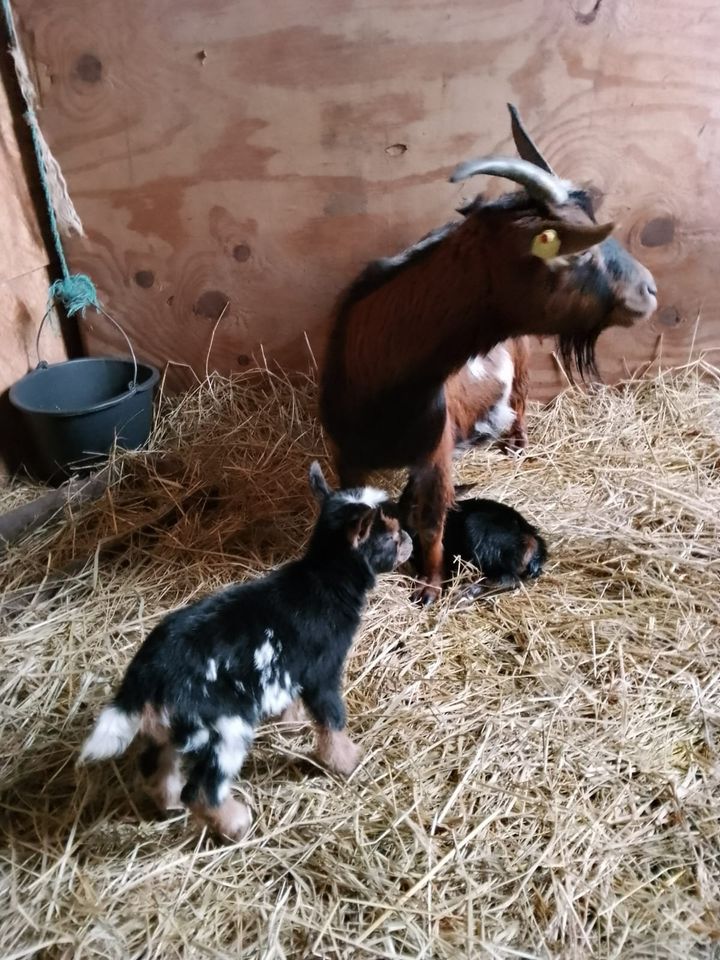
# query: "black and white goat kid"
209,673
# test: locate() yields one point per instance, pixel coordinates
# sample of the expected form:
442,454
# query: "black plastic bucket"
77,410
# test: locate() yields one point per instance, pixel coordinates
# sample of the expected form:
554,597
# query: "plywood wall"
257,153
23,281
23,262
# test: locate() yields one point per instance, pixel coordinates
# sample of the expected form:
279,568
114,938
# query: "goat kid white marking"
476,366
276,696
236,735
499,364
196,740
266,659
113,733
264,655
370,496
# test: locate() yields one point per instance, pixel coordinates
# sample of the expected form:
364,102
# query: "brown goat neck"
425,320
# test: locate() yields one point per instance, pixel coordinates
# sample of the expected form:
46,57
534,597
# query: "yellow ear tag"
546,245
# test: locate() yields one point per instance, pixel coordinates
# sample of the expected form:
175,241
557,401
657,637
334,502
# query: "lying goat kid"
493,537
209,673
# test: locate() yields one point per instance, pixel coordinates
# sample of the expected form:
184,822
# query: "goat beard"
578,350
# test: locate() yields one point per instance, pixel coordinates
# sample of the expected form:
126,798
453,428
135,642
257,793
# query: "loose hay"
541,772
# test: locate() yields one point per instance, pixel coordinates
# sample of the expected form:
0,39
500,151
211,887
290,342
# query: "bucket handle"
132,386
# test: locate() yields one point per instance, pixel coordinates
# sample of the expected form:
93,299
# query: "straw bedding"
541,774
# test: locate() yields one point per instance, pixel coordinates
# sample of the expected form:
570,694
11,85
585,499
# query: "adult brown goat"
398,384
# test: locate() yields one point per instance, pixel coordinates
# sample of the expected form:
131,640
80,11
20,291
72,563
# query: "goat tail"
114,731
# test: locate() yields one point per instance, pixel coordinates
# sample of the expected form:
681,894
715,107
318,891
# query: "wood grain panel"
259,153
22,304
22,249
23,280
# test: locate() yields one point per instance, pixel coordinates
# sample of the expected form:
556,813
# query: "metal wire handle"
132,386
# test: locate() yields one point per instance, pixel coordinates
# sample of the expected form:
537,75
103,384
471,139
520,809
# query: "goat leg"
517,438
406,502
434,495
487,589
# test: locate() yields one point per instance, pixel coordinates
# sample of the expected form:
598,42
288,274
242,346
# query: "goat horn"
539,184
524,142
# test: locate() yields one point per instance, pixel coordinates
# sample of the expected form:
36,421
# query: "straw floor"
541,774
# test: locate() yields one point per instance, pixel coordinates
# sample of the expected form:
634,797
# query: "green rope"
73,291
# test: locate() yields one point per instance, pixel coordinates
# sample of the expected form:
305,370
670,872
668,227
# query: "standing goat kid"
399,384
210,672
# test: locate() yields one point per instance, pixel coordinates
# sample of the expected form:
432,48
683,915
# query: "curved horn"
523,141
539,184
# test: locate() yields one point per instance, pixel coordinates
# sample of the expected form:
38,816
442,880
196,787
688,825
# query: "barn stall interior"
540,769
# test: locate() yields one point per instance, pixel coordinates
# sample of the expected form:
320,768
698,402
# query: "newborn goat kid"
209,673
493,537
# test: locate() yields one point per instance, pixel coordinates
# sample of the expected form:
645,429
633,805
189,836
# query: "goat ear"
576,237
359,522
318,484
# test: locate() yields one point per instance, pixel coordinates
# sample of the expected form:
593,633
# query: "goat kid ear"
562,239
359,521
318,484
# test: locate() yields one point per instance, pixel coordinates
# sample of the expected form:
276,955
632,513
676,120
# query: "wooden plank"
261,152
22,249
23,281
22,304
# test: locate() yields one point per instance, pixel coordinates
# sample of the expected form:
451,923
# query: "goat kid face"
363,518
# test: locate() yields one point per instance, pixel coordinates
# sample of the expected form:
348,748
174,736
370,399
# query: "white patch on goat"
276,696
476,366
370,496
172,788
501,416
113,733
196,740
236,735
264,655
211,672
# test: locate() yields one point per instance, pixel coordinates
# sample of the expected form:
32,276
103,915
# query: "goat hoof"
337,752
514,446
471,595
426,594
229,821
